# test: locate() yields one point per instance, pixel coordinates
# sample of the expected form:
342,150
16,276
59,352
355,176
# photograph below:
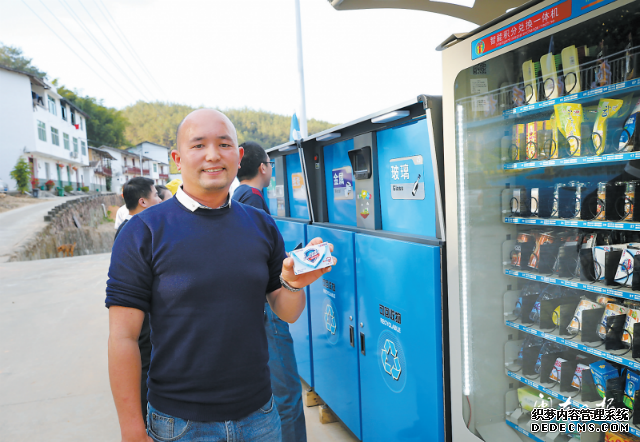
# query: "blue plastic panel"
396,146
297,191
338,177
293,234
333,301
272,203
399,304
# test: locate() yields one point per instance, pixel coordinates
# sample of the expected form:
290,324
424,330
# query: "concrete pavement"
54,383
17,225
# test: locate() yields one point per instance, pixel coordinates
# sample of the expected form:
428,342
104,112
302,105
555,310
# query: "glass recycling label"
342,183
407,178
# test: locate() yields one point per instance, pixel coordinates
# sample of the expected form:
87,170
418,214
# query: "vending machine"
377,317
540,111
286,197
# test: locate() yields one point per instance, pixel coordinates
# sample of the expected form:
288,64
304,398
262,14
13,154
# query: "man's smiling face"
208,155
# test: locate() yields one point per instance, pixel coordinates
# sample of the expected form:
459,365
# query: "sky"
233,53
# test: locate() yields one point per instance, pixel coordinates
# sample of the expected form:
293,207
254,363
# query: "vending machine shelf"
610,225
601,92
523,431
551,391
577,161
555,337
594,287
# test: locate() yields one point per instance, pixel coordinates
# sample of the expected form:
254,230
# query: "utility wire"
97,43
90,54
73,51
116,49
127,44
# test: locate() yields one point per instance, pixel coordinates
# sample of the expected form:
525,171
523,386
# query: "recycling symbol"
330,319
389,351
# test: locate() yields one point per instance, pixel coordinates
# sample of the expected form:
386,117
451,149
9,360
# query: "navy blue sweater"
251,196
203,276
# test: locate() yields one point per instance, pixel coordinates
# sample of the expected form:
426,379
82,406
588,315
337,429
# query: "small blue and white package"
311,258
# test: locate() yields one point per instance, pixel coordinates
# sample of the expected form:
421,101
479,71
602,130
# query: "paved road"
17,225
54,383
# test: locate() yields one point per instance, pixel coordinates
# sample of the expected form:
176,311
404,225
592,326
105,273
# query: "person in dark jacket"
254,175
139,193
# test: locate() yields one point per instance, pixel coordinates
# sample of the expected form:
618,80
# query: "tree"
21,173
157,122
105,125
11,57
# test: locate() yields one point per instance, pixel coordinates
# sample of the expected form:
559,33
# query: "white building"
99,173
42,127
156,159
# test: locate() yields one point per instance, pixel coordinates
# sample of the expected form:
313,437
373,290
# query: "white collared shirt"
193,205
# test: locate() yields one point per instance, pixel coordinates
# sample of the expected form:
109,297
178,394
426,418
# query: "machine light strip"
462,225
330,136
391,116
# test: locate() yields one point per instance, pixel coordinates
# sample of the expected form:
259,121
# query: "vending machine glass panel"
541,160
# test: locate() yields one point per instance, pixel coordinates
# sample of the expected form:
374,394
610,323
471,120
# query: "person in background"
121,214
139,194
163,192
255,174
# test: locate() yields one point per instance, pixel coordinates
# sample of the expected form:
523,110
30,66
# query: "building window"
84,147
42,131
75,145
65,139
47,171
73,118
81,123
55,137
63,111
155,167
52,105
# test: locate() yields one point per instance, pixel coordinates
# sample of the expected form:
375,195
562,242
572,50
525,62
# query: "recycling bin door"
294,233
400,325
341,201
333,330
297,198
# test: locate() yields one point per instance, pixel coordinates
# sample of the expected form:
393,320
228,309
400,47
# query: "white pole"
302,106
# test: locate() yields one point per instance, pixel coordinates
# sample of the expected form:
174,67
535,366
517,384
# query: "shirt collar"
128,217
192,205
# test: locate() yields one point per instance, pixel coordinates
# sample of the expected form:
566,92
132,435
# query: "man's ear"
240,154
175,156
142,202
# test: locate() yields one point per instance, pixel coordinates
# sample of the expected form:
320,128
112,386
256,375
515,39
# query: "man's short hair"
134,189
160,188
254,156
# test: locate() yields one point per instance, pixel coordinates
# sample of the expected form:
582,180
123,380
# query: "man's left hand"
303,280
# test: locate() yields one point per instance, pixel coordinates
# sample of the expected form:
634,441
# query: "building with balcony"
156,158
99,173
39,125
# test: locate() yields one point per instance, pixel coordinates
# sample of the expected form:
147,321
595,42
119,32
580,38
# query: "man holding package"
201,266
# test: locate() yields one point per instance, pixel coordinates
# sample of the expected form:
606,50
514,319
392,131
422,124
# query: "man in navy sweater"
201,266
254,175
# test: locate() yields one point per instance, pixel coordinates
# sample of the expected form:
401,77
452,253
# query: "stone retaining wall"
80,221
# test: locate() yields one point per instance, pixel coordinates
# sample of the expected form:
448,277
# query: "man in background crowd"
139,193
254,175
163,192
